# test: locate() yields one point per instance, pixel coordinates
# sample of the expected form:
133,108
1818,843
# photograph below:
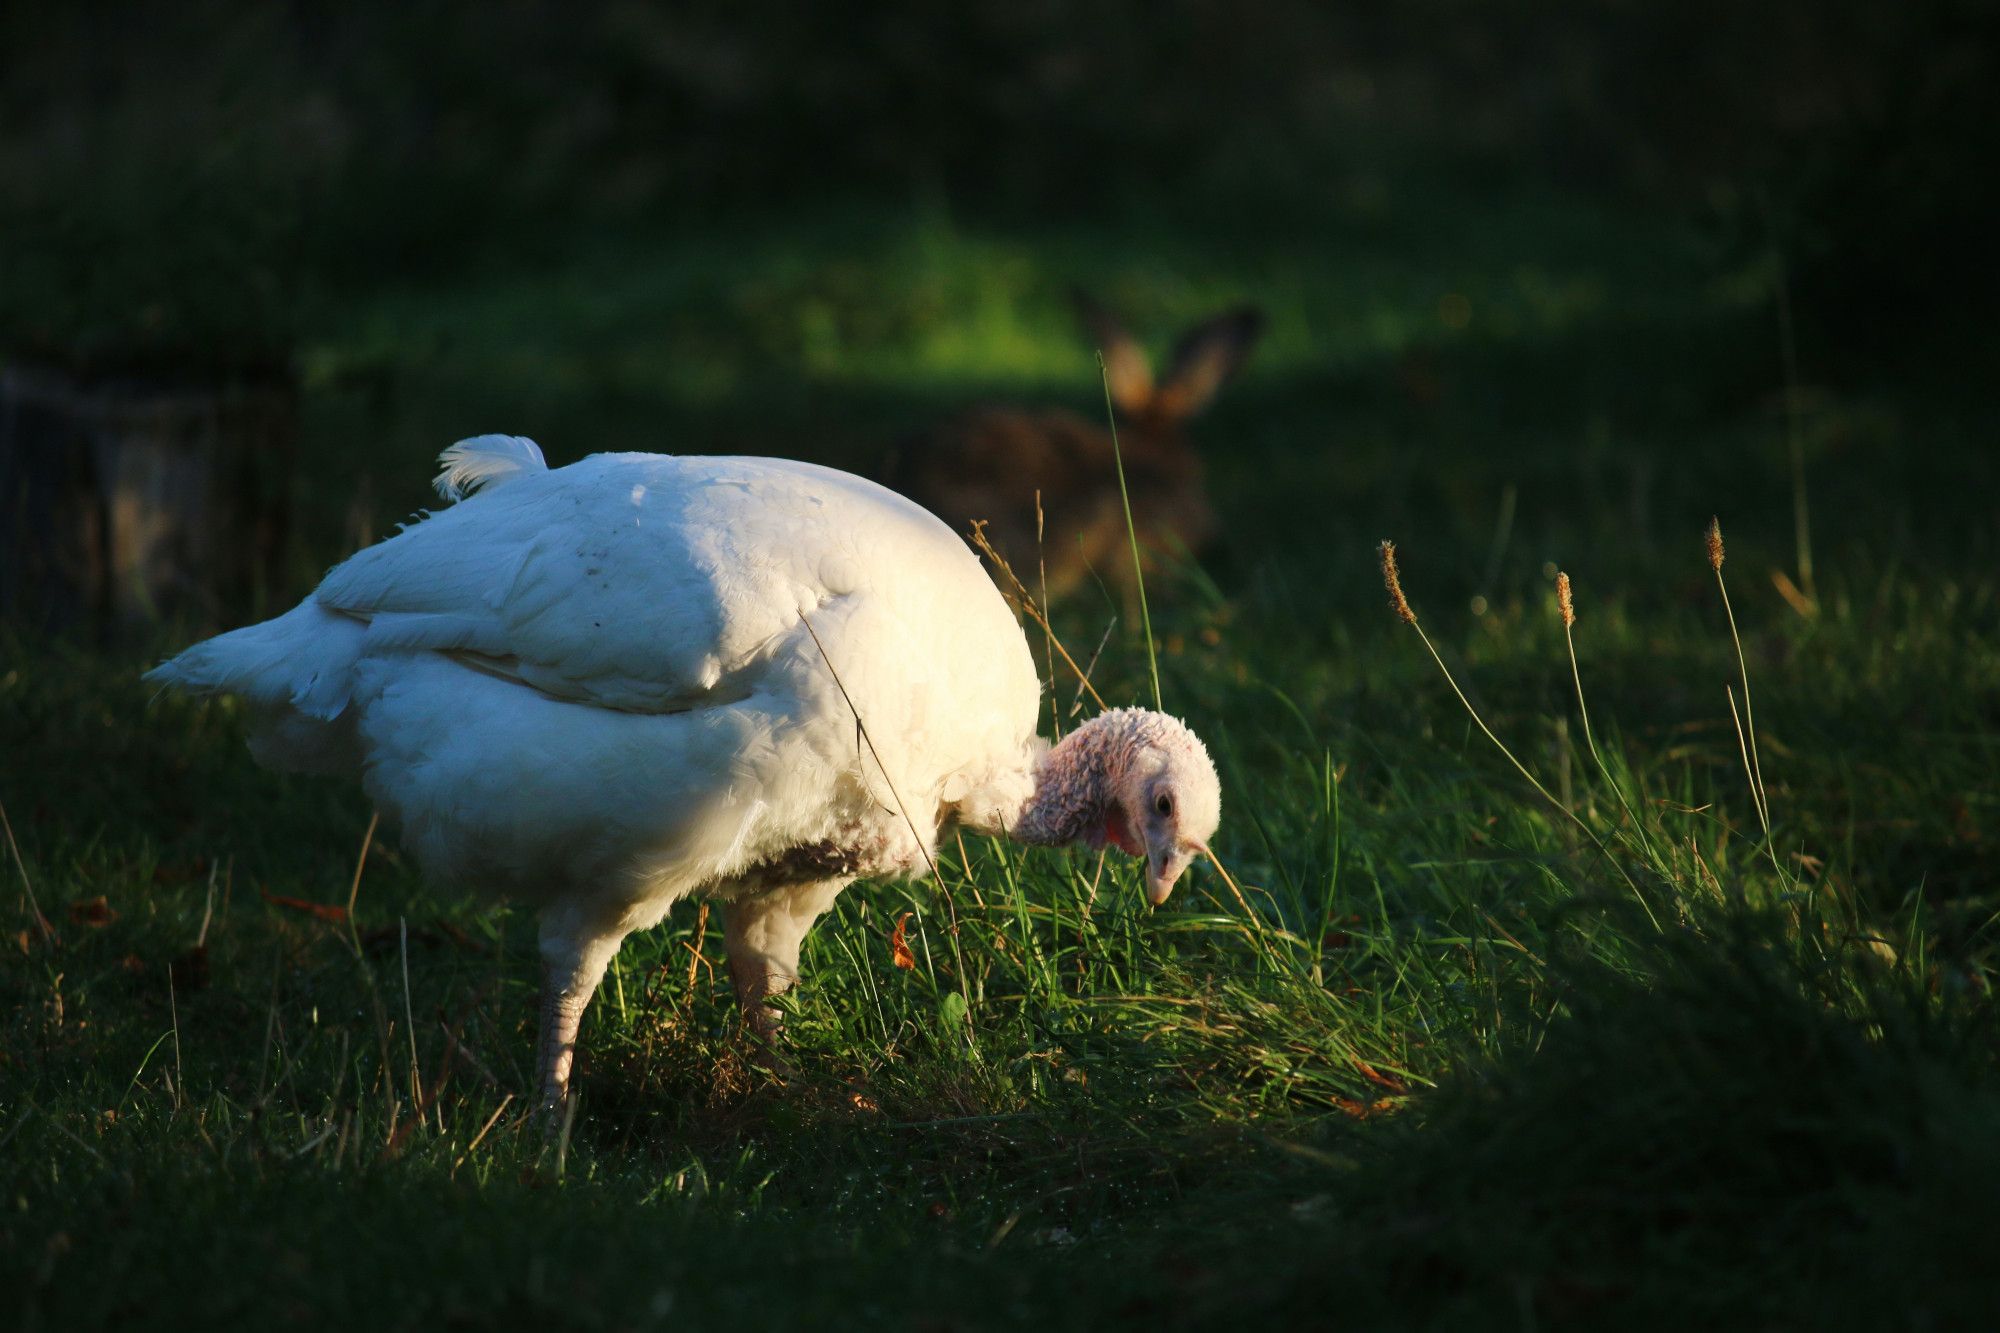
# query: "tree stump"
127,500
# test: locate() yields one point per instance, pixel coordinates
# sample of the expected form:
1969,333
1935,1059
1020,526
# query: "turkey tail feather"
486,460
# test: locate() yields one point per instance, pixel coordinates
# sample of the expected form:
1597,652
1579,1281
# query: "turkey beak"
1163,867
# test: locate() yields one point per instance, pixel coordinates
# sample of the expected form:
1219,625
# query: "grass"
1444,1071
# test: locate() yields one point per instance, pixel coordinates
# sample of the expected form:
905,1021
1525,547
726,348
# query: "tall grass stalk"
1132,533
1747,727
1049,646
1392,579
354,886
1035,612
27,886
409,1016
1566,604
180,1070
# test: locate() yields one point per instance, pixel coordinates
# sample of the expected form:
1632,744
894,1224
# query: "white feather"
484,461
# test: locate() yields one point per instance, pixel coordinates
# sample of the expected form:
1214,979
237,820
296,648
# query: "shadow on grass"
1726,1134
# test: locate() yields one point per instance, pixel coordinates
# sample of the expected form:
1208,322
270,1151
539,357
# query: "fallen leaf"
1380,1079
92,912
899,949
324,911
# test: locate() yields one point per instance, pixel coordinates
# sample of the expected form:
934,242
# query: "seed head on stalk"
1393,580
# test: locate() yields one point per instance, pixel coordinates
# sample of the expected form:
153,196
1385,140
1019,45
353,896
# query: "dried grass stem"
1747,726
1401,606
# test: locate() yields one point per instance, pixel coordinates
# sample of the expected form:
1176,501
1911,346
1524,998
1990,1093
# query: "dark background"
1603,256
192,181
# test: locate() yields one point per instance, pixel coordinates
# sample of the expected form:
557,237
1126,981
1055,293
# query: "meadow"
1666,1032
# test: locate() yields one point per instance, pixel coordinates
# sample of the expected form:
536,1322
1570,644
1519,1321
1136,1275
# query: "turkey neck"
1076,782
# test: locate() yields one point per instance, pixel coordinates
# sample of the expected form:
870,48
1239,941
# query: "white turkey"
600,688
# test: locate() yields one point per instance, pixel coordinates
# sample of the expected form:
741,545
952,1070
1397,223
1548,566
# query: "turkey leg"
762,934
575,960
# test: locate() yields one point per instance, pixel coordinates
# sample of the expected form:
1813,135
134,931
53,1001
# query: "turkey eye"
1164,804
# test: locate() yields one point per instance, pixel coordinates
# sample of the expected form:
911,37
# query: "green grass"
1444,1072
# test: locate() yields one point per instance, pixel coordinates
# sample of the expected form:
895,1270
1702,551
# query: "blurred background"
1534,274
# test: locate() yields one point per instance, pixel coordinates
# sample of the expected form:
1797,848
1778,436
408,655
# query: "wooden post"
125,500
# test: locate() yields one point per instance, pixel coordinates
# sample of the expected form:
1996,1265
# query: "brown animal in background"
989,462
